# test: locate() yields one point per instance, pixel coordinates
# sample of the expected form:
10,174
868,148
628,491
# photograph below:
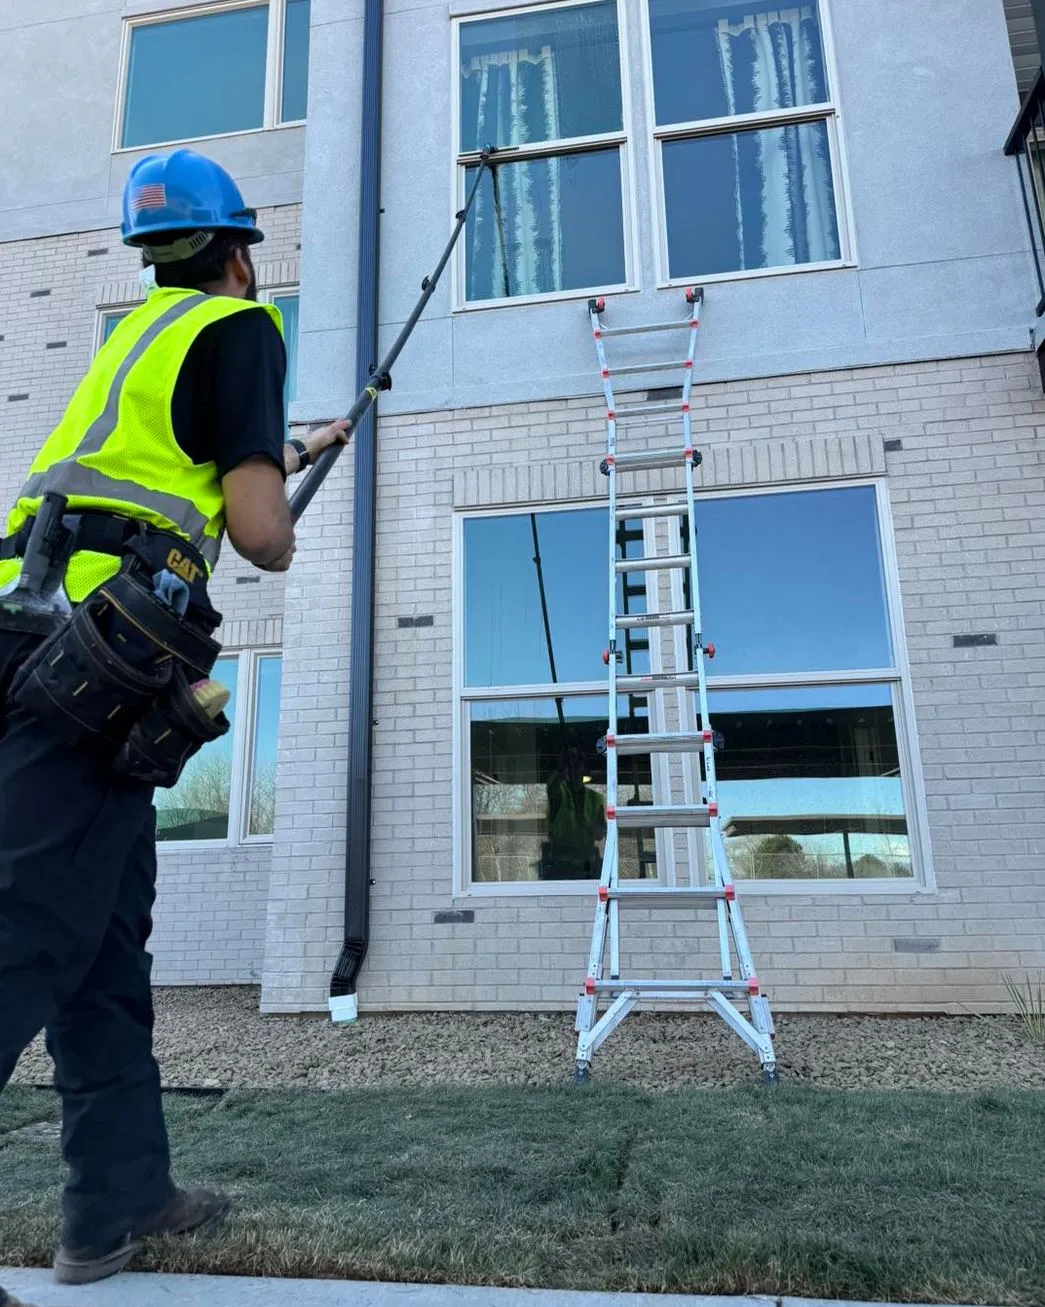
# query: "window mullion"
744,122
545,149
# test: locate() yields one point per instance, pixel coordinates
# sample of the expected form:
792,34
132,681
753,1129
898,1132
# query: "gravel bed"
216,1038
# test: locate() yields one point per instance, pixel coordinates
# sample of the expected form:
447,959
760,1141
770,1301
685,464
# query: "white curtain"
771,60
517,241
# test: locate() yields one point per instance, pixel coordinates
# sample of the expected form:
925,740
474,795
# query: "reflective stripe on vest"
72,478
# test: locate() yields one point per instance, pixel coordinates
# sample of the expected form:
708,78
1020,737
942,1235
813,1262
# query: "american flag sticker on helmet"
153,196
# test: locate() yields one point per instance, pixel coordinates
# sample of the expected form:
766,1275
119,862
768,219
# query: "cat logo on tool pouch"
183,567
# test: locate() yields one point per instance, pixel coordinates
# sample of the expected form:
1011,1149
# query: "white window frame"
243,732
922,880
271,119
620,140
828,112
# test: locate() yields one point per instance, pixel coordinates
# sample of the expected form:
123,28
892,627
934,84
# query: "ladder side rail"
736,917
611,634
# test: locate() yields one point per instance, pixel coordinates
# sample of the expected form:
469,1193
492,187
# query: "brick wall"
968,500
210,914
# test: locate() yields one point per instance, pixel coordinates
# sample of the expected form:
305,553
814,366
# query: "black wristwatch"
304,457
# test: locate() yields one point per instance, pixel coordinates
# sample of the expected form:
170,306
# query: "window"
207,73
227,792
807,690
265,736
288,302
547,83
534,703
109,319
746,135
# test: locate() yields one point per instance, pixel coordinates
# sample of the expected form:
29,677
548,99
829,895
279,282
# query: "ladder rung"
666,895
653,814
665,563
637,623
654,458
679,508
672,988
677,742
686,324
658,681
646,410
636,369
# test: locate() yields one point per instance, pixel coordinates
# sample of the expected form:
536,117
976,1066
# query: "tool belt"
117,673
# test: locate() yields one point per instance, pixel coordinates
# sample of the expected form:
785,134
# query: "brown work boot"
189,1211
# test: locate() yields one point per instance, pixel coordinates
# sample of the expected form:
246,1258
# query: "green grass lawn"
899,1196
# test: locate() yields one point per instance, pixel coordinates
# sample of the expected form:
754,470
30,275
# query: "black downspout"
360,697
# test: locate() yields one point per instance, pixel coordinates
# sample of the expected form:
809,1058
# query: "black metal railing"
1026,144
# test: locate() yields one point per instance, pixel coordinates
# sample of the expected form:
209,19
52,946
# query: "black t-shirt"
228,399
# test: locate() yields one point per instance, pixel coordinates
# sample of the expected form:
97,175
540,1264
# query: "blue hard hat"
174,203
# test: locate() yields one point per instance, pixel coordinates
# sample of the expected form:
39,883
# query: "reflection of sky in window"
789,583
504,629
288,306
266,726
793,582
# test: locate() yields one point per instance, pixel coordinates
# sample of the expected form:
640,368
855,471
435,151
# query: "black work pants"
77,885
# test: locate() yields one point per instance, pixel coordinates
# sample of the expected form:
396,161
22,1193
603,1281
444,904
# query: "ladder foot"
770,1075
582,1073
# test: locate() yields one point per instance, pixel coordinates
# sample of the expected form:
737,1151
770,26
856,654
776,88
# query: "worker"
576,822
175,438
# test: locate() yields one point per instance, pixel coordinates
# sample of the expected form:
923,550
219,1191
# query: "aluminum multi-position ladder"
736,985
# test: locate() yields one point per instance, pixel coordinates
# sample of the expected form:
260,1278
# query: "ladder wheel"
770,1075
695,295
582,1073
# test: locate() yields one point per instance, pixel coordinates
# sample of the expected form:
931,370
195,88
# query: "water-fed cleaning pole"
381,376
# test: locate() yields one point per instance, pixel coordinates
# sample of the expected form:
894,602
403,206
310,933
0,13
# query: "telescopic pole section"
381,377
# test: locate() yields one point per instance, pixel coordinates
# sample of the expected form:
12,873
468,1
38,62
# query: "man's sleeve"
248,368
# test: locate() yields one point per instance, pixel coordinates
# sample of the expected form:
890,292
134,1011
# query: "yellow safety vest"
115,449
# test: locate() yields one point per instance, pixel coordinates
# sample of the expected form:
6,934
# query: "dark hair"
202,269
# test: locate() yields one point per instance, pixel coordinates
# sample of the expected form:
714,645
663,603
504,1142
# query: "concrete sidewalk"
39,1290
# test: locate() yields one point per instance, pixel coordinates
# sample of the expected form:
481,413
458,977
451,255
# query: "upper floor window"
227,67
545,83
744,135
744,128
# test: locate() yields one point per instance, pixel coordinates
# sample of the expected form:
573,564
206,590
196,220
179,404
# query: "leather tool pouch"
116,676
